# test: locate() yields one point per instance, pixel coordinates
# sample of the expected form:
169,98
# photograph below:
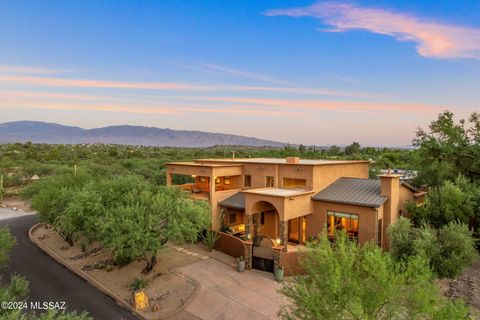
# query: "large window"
342,221
294,184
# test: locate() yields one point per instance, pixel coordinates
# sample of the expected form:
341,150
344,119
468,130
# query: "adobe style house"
279,204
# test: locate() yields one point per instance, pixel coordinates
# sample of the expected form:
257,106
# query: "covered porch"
278,215
203,180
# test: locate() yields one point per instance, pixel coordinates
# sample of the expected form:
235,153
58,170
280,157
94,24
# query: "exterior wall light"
278,241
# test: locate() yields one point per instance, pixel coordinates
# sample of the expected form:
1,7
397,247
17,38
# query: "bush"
210,239
347,281
457,249
138,283
449,249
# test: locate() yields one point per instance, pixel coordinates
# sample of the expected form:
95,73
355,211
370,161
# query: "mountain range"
43,132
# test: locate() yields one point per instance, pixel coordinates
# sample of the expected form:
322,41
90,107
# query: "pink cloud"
338,106
241,73
51,102
29,70
168,86
433,39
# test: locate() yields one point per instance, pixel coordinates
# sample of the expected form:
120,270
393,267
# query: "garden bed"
168,291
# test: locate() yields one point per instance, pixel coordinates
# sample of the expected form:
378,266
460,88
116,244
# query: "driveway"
50,281
228,294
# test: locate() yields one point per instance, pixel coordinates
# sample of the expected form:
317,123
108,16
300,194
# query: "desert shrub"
449,249
457,249
210,239
347,281
138,283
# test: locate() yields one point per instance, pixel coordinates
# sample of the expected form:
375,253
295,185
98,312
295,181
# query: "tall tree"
352,149
448,149
146,221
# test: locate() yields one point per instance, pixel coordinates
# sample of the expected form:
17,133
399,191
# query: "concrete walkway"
9,213
228,294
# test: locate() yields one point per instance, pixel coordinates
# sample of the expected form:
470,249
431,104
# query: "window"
262,218
296,184
232,218
342,221
247,182
269,182
226,180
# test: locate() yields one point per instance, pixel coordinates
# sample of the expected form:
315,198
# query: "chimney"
390,188
292,160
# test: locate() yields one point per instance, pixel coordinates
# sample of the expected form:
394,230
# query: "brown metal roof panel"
362,192
236,201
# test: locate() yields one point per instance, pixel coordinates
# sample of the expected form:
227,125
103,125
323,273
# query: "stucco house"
276,205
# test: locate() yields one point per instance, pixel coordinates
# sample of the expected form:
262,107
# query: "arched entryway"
264,227
265,220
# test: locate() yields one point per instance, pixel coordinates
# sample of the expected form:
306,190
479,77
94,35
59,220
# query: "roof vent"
293,160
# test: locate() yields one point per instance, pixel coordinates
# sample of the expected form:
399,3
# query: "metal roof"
355,191
237,201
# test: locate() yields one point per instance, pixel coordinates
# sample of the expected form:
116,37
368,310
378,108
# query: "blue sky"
296,71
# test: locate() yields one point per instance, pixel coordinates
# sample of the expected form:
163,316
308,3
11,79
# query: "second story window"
269,182
294,184
247,182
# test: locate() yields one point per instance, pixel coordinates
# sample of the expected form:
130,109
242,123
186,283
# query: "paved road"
49,281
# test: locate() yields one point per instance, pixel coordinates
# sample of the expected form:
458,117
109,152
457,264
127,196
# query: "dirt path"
466,286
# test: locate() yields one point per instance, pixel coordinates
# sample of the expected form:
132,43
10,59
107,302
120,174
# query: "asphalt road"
50,281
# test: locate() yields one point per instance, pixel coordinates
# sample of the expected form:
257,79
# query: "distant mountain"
43,132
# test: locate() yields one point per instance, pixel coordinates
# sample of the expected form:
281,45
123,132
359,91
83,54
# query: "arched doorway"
265,222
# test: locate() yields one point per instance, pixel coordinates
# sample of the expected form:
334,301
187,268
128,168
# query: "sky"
323,73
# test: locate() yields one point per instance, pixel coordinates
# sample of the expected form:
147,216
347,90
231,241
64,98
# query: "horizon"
285,143
300,72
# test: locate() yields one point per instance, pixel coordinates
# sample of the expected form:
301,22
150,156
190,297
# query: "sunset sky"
294,71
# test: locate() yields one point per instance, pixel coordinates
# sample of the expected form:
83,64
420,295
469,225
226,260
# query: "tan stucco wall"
259,173
390,187
298,206
293,171
270,228
255,203
326,174
367,219
406,195
189,170
215,198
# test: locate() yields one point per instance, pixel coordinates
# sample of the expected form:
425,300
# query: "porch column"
249,227
283,233
169,179
248,254
256,227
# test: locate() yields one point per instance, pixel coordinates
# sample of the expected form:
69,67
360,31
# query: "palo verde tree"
147,220
347,281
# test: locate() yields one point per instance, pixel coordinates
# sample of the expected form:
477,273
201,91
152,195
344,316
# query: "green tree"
347,281
445,203
147,221
448,149
352,149
449,249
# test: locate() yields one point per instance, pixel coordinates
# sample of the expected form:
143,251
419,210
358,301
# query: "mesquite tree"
146,221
